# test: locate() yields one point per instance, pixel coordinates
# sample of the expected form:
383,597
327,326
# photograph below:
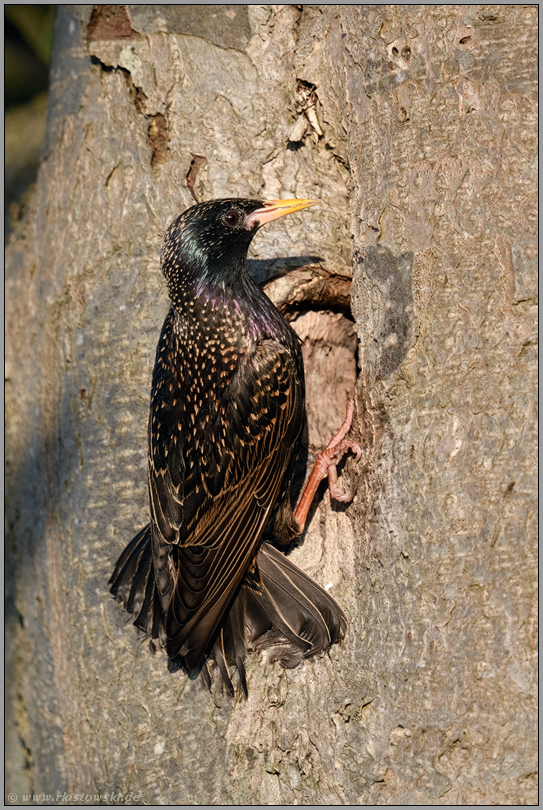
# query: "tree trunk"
415,127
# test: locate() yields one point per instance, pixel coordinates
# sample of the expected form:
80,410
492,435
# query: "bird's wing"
216,501
167,431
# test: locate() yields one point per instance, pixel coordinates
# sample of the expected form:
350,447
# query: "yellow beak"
273,209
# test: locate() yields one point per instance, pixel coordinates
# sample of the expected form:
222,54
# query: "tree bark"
415,127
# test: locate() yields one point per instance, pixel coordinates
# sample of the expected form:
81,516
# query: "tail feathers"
133,584
228,651
282,612
291,616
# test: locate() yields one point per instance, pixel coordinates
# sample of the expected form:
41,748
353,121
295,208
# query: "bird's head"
207,245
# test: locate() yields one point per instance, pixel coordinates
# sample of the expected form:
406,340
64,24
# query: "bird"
225,426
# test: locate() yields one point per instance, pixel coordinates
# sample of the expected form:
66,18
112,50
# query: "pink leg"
326,466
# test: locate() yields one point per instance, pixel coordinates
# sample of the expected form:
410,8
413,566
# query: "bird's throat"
228,295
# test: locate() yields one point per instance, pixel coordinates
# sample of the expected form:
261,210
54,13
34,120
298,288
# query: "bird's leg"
326,466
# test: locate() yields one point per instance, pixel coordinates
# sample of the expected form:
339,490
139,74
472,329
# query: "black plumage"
226,418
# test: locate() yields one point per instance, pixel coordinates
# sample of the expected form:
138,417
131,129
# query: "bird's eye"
232,218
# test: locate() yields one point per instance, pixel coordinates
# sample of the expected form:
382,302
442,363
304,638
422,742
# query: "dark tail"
279,610
133,584
290,615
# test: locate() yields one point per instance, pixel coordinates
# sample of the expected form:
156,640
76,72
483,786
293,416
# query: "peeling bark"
418,136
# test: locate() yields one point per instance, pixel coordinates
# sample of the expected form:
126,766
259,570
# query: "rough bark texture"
416,128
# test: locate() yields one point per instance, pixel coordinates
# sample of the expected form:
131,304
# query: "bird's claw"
332,453
355,448
336,491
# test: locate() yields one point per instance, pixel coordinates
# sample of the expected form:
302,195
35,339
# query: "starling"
226,418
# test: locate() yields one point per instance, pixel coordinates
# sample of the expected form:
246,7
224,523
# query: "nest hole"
317,305
329,347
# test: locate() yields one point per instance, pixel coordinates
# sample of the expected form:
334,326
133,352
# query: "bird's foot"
337,492
329,458
326,465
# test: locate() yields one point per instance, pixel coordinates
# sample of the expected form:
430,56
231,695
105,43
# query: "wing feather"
212,493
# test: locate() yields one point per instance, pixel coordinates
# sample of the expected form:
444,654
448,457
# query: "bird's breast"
202,349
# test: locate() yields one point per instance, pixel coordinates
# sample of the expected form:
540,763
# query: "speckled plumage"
226,417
